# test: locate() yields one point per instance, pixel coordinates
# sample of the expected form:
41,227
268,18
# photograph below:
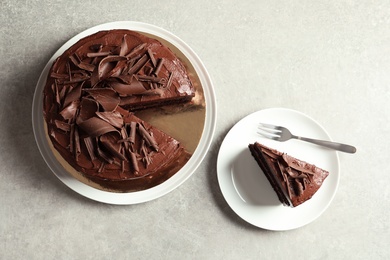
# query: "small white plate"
183,174
246,189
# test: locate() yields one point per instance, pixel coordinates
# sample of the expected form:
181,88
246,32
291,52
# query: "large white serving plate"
247,190
182,49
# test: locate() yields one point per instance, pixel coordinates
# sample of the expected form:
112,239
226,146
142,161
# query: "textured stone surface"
329,60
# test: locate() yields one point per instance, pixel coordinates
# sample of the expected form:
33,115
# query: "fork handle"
336,146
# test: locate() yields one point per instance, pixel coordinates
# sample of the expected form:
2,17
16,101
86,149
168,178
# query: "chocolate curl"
298,187
136,50
106,97
150,78
69,111
73,95
80,64
97,54
170,79
56,92
104,156
88,109
124,47
139,64
91,147
134,87
102,166
96,127
105,68
77,149
159,66
109,142
152,58
297,166
124,139
133,128
113,118
134,162
147,137
62,125
71,139
146,157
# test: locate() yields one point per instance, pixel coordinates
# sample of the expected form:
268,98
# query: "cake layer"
294,181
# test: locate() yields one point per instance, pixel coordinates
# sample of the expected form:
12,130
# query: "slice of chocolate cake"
293,180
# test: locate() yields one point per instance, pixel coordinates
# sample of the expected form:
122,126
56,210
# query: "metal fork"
280,133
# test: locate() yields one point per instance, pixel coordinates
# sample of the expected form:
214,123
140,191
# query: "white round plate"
247,190
183,174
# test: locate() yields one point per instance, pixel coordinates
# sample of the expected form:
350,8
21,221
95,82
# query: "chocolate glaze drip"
88,98
295,181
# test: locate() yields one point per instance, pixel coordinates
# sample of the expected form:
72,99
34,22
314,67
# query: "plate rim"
176,180
236,209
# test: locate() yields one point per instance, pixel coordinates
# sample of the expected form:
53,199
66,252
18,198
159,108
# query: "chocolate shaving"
113,118
71,140
298,187
57,94
88,109
124,139
96,47
105,68
135,87
98,54
159,66
73,95
139,64
136,50
133,128
91,147
58,75
62,125
148,137
77,148
124,47
170,79
111,145
62,93
134,162
152,58
95,126
150,78
104,156
76,80
146,157
69,111
101,168
106,97
80,64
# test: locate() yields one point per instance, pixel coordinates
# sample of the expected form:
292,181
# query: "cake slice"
294,181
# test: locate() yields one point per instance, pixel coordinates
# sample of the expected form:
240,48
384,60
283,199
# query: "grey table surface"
327,59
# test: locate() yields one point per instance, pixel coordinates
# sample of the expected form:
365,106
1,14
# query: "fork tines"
269,131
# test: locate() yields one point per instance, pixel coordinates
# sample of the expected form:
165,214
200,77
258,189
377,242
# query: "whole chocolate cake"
90,95
294,181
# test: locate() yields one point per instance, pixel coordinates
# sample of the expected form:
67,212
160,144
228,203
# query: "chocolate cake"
294,181
90,96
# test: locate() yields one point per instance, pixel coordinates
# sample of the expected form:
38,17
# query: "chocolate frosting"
294,180
89,97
